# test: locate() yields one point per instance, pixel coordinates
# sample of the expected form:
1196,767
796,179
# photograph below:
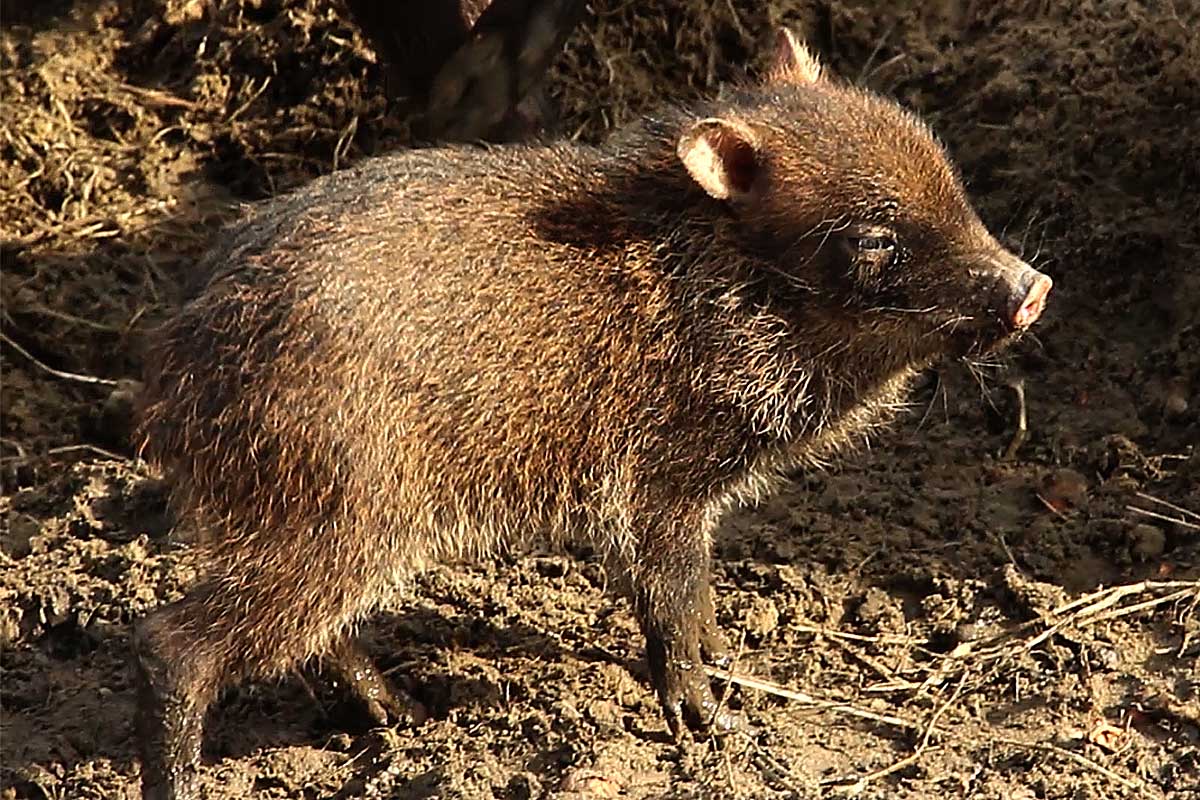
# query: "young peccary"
474,65
441,351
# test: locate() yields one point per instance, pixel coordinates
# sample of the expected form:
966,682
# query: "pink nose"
1035,300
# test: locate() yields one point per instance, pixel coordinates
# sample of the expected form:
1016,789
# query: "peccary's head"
855,203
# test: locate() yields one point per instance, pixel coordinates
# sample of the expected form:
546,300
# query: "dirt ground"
950,622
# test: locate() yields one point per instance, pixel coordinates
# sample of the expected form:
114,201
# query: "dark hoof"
689,705
351,669
396,708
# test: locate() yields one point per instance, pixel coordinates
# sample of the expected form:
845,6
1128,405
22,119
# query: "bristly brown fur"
441,352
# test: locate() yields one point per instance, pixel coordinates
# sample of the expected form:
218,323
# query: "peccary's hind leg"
350,665
252,619
671,599
176,682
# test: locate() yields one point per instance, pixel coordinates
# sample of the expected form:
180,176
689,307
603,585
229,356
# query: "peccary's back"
398,336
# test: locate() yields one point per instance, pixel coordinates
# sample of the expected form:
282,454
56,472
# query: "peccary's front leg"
712,642
674,606
352,667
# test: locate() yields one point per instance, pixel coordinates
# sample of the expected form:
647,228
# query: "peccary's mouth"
1014,302
964,336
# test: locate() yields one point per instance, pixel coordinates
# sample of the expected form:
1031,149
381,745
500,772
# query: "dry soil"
949,613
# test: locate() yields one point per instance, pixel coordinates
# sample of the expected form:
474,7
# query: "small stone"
117,412
1108,658
190,11
1175,399
1106,736
604,713
762,617
340,743
881,612
523,787
1176,404
589,783
967,632
16,542
1148,542
566,710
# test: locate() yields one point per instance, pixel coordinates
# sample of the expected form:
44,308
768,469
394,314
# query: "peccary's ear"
792,62
721,155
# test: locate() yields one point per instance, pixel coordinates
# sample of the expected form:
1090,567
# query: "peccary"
440,351
474,65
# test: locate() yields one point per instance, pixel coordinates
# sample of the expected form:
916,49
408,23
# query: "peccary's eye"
875,245
869,250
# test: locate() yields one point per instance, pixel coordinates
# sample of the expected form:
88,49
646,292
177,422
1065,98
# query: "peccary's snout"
1028,298
1019,291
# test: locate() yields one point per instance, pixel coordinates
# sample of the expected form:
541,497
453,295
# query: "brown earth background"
964,625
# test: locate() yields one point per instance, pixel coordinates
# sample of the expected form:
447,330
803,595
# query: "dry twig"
58,373
800,697
922,747
1133,784
1180,509
1155,515
1022,427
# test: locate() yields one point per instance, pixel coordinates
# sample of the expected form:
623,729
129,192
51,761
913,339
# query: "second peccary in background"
474,65
440,352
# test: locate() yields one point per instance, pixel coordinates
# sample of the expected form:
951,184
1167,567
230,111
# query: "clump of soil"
946,610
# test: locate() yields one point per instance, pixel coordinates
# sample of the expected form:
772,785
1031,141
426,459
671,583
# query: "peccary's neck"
651,185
